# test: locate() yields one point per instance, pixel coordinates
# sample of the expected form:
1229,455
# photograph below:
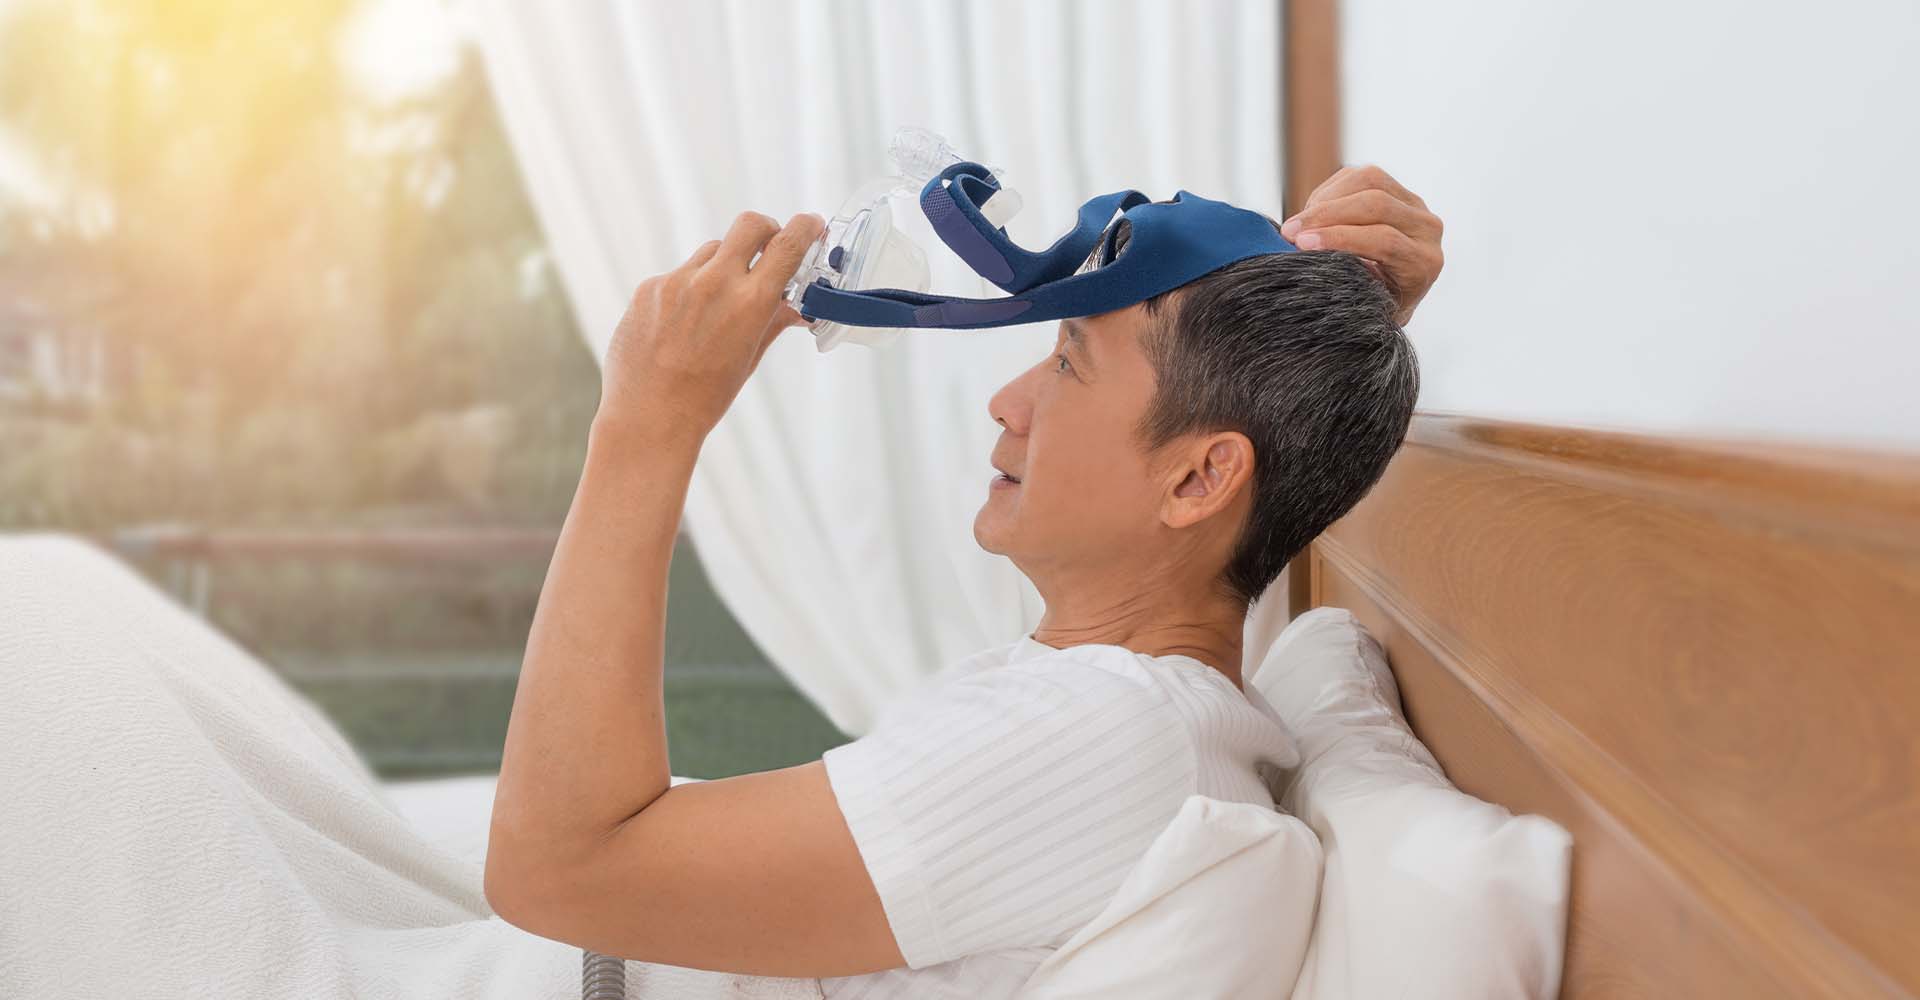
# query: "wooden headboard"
1703,659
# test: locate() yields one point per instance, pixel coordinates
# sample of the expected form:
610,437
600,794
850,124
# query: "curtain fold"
833,505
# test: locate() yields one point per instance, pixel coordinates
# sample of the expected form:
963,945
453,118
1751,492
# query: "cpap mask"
862,248
864,280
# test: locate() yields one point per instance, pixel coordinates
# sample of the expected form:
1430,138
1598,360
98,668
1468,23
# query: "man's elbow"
516,889
501,888
519,864
541,881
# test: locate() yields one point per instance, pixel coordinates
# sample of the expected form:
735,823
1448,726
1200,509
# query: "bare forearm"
586,746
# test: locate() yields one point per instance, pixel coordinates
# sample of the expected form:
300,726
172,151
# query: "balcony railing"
436,709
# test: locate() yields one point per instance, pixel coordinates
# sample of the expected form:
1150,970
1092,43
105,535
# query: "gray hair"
1300,353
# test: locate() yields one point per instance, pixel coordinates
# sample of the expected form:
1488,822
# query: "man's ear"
1211,471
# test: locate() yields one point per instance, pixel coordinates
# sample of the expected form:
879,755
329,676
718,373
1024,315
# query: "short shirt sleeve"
1003,808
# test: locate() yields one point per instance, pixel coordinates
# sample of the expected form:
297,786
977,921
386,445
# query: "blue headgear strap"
1171,243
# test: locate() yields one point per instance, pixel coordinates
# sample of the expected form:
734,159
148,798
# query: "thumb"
783,317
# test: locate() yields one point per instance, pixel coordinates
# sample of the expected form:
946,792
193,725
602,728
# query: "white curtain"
833,506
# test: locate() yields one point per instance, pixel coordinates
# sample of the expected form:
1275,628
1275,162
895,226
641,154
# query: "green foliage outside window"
245,286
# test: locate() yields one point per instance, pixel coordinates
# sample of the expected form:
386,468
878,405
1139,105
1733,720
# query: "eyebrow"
1074,339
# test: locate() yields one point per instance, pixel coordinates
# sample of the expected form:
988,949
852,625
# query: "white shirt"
999,807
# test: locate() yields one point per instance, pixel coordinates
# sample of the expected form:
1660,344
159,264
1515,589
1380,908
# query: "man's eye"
1063,365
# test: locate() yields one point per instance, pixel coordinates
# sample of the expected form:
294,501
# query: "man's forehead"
1084,330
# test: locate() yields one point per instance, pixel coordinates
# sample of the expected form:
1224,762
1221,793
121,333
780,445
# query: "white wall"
1700,217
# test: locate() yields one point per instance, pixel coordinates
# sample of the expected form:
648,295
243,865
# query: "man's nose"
1010,408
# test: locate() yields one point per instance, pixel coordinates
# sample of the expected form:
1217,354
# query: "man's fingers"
1355,210
1366,176
1319,192
786,249
1382,243
701,255
1365,208
750,231
1347,180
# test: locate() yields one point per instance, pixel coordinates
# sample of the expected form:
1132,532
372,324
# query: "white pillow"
1427,891
1221,905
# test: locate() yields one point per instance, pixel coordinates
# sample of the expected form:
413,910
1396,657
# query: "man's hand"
692,336
1365,212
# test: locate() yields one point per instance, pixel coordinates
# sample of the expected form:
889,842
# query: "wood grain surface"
1703,658
1309,97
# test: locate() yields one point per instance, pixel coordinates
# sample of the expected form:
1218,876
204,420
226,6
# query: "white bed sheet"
181,824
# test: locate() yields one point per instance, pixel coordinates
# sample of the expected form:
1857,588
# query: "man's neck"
1158,624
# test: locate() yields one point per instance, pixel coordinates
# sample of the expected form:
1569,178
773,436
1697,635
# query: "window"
278,326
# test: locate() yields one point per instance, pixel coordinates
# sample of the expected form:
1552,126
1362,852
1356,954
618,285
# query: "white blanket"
176,822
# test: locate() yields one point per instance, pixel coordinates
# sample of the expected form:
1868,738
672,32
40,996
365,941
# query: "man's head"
1206,434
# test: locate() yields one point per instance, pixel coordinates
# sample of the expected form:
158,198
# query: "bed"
1701,658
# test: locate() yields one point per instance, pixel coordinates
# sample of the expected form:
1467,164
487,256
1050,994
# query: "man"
1158,469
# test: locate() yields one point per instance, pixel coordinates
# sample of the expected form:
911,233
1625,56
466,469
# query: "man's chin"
987,532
